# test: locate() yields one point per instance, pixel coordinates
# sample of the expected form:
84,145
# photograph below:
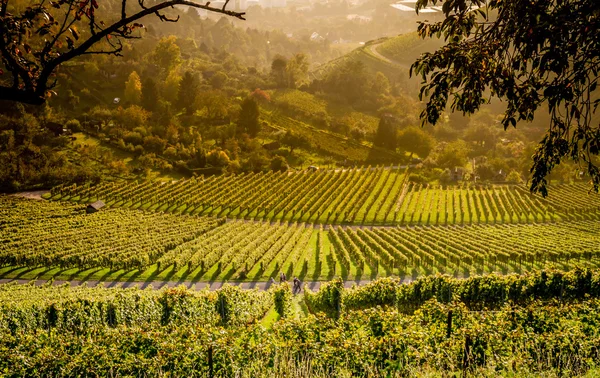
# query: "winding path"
373,49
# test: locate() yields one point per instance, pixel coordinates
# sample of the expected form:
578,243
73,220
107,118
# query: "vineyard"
201,248
543,324
406,48
358,196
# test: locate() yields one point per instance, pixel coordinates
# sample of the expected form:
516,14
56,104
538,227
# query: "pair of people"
297,284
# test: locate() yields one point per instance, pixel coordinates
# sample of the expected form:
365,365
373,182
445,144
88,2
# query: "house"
457,173
316,37
94,207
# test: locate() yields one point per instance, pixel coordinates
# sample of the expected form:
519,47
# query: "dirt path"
373,50
36,194
260,285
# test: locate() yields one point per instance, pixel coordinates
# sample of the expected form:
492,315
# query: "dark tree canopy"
249,114
528,53
149,94
36,39
187,91
386,135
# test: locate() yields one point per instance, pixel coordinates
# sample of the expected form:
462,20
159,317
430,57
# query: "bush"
417,178
282,296
73,125
154,144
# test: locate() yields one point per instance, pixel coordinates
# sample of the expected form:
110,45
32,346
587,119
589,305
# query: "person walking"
282,277
297,286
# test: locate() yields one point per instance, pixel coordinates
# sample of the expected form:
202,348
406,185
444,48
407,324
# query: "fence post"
466,356
449,325
210,362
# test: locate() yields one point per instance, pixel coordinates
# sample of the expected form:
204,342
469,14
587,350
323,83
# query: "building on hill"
457,173
94,207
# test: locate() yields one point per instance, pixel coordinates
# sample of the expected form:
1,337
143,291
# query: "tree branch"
37,85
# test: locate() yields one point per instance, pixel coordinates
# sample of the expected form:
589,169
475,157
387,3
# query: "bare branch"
30,77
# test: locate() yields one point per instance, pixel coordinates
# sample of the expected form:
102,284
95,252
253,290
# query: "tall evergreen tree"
248,121
187,92
149,94
386,134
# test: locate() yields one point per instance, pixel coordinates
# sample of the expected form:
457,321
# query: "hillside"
392,56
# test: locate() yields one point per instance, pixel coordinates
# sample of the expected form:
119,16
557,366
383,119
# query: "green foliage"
545,56
133,89
249,117
150,96
387,134
154,144
329,299
218,80
278,163
453,155
188,89
476,293
167,54
282,297
30,154
416,141
350,81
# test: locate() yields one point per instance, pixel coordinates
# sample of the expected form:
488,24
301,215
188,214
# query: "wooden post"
210,362
449,325
467,352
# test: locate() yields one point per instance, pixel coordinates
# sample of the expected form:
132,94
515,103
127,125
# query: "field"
360,196
542,324
141,241
406,48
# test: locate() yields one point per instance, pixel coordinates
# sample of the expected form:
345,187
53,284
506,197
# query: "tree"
453,155
386,133
213,103
278,163
527,53
188,89
167,54
154,144
416,141
133,89
170,87
297,70
218,80
294,140
36,39
278,70
249,114
149,94
349,80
